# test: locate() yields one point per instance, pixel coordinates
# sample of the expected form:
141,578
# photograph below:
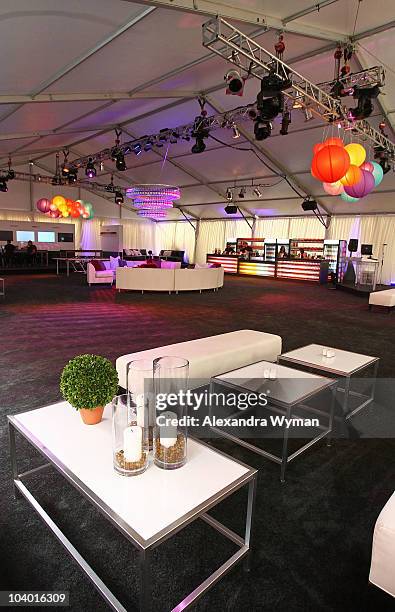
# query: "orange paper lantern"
332,163
335,140
314,170
352,176
317,147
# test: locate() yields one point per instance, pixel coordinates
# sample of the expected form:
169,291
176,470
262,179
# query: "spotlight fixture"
230,209
269,108
309,204
120,162
364,107
137,148
72,175
272,85
242,193
3,185
234,83
10,174
110,187
65,171
148,145
285,121
65,167
174,137
118,197
199,145
90,169
257,192
262,129
229,194
236,133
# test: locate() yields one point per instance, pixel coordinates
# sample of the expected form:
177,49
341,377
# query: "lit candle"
266,373
273,374
132,443
168,431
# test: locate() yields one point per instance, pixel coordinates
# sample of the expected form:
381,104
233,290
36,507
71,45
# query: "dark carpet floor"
313,534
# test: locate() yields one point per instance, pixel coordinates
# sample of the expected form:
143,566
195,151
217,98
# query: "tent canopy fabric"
76,51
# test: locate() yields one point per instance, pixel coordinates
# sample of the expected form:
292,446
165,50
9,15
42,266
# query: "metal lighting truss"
172,135
232,45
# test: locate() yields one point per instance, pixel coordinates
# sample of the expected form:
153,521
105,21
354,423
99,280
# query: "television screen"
366,249
6,235
46,236
65,237
24,235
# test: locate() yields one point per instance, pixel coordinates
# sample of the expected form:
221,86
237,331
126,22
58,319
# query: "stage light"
272,85
3,185
236,133
120,162
137,148
229,194
174,137
118,197
72,175
90,169
262,129
257,192
65,171
285,121
364,107
230,209
309,204
269,108
148,145
234,83
242,193
199,145
10,174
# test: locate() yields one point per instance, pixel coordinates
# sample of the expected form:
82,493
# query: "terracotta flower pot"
92,417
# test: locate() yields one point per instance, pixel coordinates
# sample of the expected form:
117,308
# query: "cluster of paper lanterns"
344,170
60,206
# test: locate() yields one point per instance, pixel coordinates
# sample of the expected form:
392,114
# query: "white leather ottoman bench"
382,567
213,355
382,298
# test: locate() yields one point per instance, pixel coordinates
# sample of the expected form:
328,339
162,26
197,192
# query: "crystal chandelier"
152,200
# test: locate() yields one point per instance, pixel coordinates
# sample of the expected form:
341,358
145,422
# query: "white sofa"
173,279
382,567
382,298
198,279
99,276
213,355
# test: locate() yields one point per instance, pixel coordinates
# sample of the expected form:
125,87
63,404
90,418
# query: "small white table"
344,364
288,394
147,509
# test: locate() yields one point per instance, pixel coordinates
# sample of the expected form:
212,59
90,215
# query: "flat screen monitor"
46,237
366,249
65,237
24,235
6,235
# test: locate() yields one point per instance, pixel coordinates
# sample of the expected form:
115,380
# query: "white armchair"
99,276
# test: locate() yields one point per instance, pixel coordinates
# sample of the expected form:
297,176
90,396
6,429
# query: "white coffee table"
288,394
147,509
344,364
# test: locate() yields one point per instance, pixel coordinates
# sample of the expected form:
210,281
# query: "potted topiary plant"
89,382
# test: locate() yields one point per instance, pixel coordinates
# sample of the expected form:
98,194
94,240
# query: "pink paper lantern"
363,187
43,205
367,165
333,188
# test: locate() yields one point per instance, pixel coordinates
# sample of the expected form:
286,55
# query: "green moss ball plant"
89,382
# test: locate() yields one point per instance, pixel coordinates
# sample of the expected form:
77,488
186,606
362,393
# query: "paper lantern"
333,188
344,196
356,152
58,200
332,162
377,172
55,214
352,176
363,187
334,140
314,170
367,165
43,205
317,147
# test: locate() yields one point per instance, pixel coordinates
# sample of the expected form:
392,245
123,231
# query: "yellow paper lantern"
356,152
59,201
352,176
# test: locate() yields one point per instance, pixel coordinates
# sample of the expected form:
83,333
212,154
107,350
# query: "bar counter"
314,270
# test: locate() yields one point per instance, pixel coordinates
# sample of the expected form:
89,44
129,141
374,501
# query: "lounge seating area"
169,278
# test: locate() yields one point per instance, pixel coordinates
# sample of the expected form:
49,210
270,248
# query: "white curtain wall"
376,230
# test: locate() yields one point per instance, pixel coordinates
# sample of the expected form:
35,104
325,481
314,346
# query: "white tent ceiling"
156,54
